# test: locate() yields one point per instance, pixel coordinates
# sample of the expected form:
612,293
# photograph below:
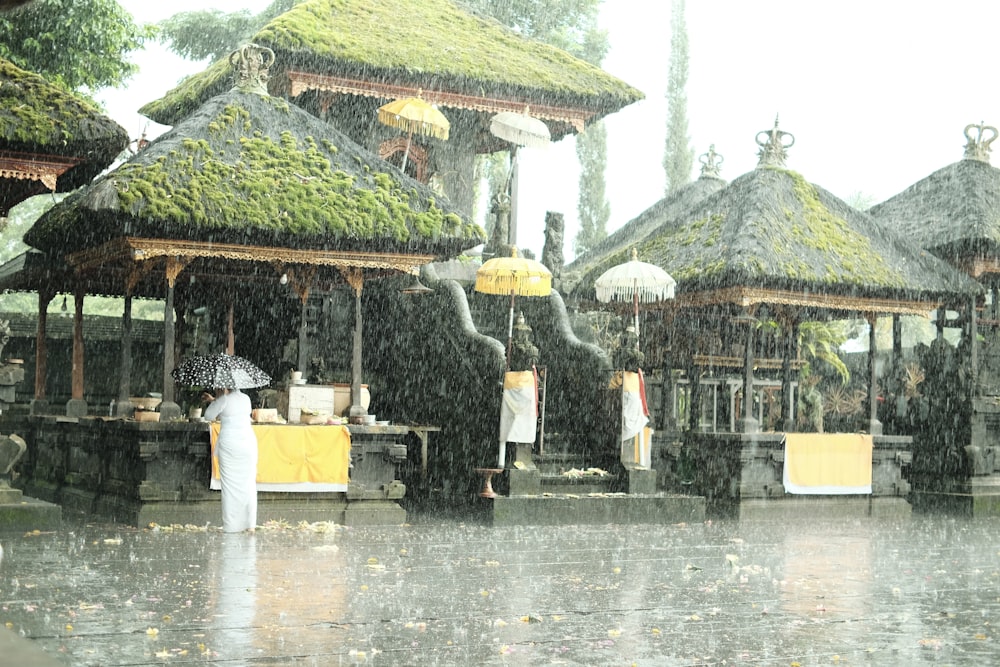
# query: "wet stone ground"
808,592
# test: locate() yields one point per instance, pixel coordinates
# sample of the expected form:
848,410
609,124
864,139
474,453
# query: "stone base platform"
23,652
977,497
29,514
570,509
291,510
824,507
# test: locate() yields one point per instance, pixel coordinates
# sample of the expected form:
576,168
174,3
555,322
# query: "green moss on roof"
36,113
231,173
770,228
430,41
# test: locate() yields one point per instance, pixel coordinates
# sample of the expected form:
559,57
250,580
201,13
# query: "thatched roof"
252,170
770,236
49,138
376,47
639,227
953,213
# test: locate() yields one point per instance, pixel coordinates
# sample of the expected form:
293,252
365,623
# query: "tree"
593,207
570,25
678,156
82,45
21,217
213,34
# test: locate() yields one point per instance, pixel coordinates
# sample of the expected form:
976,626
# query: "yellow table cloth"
828,463
297,458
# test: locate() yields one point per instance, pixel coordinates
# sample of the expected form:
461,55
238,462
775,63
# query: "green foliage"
79,44
241,181
593,207
210,33
823,230
819,343
570,25
678,156
21,217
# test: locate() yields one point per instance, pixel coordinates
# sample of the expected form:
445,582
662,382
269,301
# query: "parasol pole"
635,307
406,153
512,195
510,328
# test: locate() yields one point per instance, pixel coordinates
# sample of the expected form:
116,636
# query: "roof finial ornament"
710,163
978,147
251,63
772,149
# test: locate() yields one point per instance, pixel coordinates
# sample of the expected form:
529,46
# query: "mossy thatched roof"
253,170
39,118
772,230
636,229
430,44
953,213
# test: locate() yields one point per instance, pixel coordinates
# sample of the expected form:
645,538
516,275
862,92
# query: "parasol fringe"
647,293
522,285
418,127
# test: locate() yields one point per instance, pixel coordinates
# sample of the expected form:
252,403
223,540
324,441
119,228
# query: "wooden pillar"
874,425
123,405
77,406
790,328
302,280
230,327
973,334
748,424
356,280
39,404
168,406
897,340
303,360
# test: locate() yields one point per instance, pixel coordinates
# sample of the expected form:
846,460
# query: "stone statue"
552,251
4,336
628,356
499,244
523,353
318,373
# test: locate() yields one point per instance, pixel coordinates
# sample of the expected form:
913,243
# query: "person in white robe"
236,449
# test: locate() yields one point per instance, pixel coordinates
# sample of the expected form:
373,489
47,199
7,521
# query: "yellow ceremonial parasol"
517,276
414,114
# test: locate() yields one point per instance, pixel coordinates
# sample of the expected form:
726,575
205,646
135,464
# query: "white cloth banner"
634,419
519,410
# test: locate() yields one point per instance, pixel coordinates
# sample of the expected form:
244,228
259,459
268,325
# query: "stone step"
557,483
569,509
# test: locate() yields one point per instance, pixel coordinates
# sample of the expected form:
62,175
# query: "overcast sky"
876,93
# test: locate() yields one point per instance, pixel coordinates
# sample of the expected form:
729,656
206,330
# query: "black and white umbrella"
222,371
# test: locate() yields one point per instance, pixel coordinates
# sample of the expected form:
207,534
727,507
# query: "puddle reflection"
234,596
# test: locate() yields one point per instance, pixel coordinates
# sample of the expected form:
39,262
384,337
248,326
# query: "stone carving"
978,147
523,353
710,163
4,336
628,356
252,65
772,149
499,245
12,448
552,251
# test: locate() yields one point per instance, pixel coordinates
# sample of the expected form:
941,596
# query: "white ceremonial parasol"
636,281
520,129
